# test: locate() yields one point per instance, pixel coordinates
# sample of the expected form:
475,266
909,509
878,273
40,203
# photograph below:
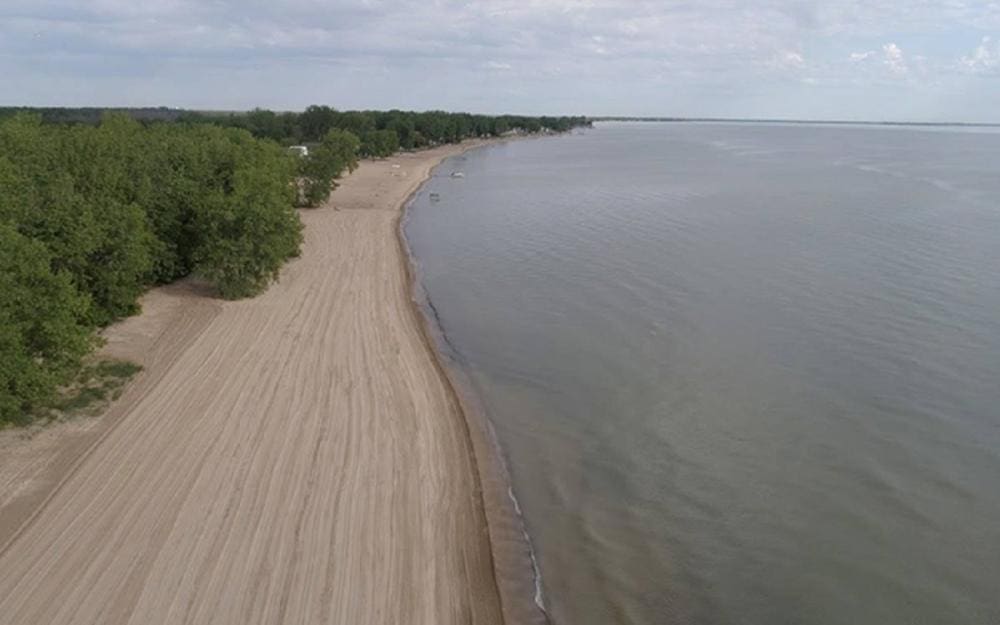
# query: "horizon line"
779,120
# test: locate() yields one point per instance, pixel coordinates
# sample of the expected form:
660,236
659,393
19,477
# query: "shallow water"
741,373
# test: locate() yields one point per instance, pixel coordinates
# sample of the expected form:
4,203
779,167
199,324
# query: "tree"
316,121
326,162
42,335
250,228
380,143
359,123
66,187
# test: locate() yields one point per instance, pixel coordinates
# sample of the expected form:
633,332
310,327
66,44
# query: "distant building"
300,150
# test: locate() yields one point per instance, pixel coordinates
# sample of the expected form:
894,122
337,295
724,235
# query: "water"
741,373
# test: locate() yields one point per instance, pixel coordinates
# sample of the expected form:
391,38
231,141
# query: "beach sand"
294,458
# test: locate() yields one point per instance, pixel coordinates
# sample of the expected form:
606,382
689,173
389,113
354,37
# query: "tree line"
382,133
94,213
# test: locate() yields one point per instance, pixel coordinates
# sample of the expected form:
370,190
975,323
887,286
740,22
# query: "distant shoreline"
804,122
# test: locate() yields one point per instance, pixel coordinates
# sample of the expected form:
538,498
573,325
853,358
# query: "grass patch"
82,400
98,383
117,369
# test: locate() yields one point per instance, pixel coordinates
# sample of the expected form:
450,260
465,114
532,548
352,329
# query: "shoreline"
515,568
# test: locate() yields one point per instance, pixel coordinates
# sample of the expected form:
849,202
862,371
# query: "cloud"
894,60
889,59
985,59
791,60
786,63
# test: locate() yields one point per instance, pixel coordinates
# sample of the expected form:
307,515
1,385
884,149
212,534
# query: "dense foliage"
93,115
97,206
375,129
43,334
90,216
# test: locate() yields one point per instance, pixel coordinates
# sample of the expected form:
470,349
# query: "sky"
840,59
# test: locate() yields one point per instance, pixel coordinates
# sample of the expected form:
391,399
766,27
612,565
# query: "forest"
96,207
383,132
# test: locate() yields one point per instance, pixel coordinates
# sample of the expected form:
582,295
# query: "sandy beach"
299,457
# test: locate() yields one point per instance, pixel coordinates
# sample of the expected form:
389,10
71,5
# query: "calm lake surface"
740,373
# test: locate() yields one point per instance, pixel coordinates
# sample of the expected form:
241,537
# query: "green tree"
248,227
76,189
316,121
380,143
42,336
357,123
326,162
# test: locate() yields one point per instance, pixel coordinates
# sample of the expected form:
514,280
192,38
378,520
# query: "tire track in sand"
302,461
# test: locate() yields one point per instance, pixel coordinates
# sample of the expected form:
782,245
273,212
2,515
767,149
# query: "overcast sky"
844,59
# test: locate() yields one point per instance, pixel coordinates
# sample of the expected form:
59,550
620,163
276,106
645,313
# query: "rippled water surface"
741,373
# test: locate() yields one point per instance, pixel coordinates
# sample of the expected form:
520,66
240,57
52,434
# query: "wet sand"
295,458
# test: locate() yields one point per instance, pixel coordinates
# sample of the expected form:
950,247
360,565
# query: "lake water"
740,373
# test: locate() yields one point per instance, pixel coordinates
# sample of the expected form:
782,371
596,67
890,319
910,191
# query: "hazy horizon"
594,118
